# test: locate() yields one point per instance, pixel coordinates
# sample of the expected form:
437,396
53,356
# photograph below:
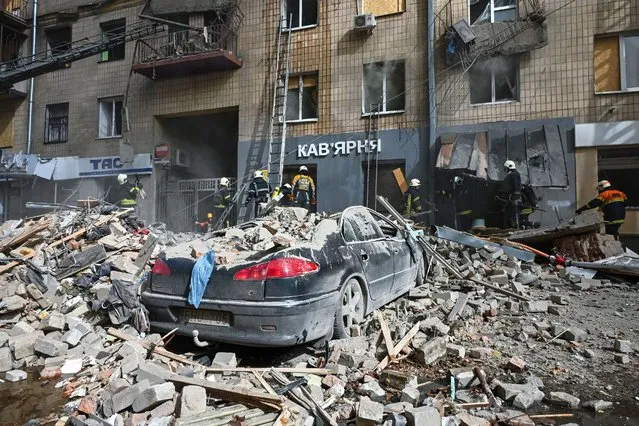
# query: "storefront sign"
108,166
342,148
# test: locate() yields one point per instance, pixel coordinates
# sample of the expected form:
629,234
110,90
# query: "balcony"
188,52
14,14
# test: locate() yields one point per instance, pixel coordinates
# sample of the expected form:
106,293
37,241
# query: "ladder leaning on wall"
277,130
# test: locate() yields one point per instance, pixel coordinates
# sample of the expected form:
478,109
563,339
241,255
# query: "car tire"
351,309
420,279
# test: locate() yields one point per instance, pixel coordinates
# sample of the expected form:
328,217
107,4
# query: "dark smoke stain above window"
494,80
300,13
487,11
384,87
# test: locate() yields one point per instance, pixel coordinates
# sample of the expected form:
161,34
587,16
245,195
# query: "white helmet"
258,173
303,169
458,180
415,182
122,179
288,185
224,182
603,184
510,165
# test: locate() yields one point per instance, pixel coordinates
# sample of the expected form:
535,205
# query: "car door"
367,243
403,264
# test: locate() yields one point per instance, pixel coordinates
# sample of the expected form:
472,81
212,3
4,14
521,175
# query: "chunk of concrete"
536,306
525,400
623,346
431,351
563,399
22,346
224,360
15,375
50,347
12,304
598,405
574,334
516,364
151,373
6,360
153,396
192,401
21,328
622,359
369,413
54,322
508,391
373,390
411,395
124,397
423,416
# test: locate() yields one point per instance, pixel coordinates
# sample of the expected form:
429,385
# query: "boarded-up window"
607,64
384,7
6,130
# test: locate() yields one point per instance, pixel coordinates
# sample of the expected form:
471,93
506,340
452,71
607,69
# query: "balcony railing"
218,37
16,9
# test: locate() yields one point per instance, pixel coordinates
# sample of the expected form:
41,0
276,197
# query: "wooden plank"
447,144
556,156
231,393
286,370
401,180
388,341
459,305
157,350
398,348
263,382
24,235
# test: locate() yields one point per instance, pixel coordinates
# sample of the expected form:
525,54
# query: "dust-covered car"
353,263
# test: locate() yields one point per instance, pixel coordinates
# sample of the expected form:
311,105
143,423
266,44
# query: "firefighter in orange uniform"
613,204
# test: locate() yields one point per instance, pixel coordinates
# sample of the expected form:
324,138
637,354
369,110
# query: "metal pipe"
432,107
34,27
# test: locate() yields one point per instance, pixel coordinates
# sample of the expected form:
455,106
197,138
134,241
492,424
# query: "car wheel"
420,280
351,309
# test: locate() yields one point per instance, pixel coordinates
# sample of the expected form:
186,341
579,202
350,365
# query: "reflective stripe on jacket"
613,204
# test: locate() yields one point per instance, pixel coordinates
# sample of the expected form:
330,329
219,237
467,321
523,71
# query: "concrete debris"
369,413
563,399
16,375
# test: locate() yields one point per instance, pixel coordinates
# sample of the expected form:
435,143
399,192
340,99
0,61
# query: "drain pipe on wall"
432,107
32,81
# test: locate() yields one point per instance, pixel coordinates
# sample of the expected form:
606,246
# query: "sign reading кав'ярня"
324,149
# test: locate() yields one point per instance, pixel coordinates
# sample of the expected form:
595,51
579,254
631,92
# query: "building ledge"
218,60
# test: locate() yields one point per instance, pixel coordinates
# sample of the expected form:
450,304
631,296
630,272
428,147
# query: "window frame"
47,128
300,94
492,87
622,63
113,100
114,24
383,111
285,15
492,11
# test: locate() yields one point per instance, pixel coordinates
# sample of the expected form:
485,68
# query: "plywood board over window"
607,65
384,7
6,130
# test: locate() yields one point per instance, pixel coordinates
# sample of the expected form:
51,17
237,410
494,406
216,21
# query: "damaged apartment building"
551,85
180,94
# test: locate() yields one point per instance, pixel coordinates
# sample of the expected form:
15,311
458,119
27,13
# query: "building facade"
202,85
571,64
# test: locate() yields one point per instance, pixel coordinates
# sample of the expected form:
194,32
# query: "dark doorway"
380,180
290,171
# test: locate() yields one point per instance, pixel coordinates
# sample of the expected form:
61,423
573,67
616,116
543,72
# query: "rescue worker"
512,189
286,191
529,202
222,198
463,205
205,226
258,192
126,193
303,189
412,199
613,204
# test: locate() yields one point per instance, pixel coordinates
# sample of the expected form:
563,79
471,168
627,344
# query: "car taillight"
285,267
160,268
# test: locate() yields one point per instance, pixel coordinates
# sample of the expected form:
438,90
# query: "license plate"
193,316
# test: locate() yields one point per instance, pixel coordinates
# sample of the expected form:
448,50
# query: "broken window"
384,7
616,60
111,30
56,123
110,120
301,99
620,166
384,87
494,80
488,11
300,13
58,39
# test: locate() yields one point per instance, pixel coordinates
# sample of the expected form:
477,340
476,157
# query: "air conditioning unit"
182,158
364,22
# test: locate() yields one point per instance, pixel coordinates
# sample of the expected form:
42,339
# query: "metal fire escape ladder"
26,67
277,131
